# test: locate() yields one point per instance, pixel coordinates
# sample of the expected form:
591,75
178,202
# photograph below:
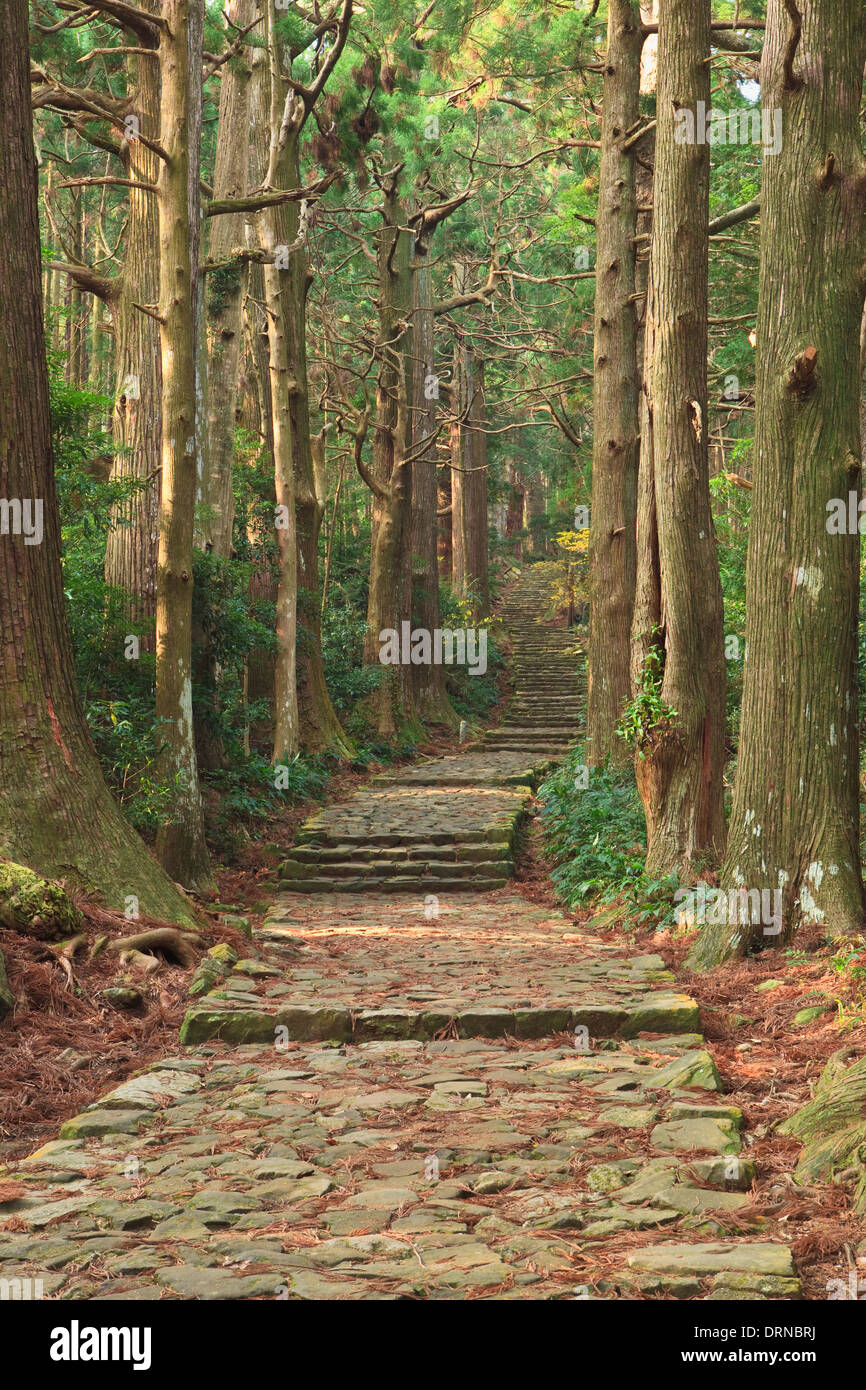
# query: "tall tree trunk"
260,669
56,813
533,509
133,540
612,547
431,697
390,479
225,292
180,842
476,541
319,726
677,638
459,404
275,235
795,815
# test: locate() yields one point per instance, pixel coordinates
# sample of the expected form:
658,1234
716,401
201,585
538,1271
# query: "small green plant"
647,716
849,963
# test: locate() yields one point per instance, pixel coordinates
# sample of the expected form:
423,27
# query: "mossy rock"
34,906
241,924
811,1015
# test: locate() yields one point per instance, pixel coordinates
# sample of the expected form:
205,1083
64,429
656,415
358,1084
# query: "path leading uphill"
418,1084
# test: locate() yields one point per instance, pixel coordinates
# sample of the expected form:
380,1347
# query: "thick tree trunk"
431,697
616,442
56,813
180,843
795,816
677,636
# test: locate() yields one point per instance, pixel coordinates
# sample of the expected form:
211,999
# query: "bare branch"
734,217
101,285
270,198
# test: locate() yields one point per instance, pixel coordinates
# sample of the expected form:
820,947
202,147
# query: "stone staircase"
544,715
450,824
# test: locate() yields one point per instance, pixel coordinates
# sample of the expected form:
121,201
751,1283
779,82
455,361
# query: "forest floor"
391,1091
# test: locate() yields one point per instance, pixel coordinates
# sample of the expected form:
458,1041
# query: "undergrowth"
594,830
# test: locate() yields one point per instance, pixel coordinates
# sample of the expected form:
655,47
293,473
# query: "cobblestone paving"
409,1096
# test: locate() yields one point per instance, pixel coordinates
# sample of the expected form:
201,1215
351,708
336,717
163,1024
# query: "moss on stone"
34,906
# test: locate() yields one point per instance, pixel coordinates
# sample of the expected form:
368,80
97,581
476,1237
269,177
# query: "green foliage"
849,963
647,715
126,738
596,835
471,696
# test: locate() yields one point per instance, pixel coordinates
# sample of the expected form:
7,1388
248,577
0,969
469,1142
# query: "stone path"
450,823
423,1090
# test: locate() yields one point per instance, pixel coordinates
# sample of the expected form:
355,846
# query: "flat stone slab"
680,1136
711,1258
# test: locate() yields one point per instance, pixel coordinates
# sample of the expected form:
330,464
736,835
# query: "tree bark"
444,542
56,813
678,604
616,441
795,815
180,842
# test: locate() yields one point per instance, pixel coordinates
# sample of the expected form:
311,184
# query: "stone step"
299,869
531,741
306,1019
400,883
499,835
403,854
523,727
